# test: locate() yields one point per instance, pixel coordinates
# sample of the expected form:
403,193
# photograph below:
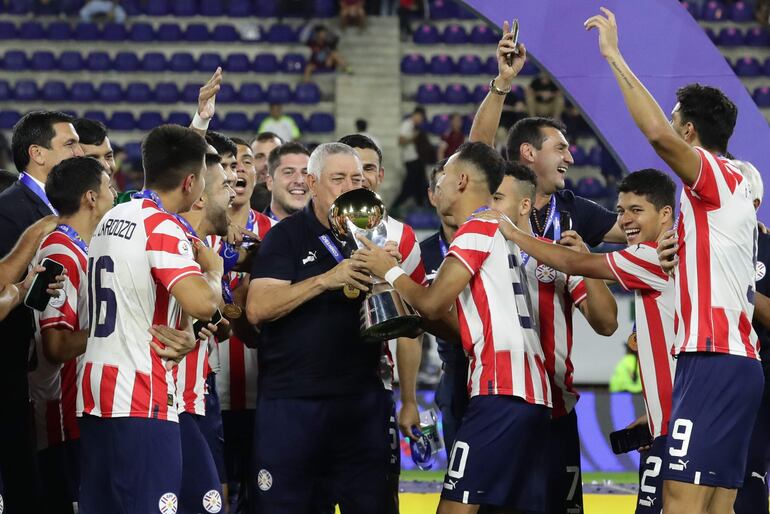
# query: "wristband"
392,275
200,123
496,90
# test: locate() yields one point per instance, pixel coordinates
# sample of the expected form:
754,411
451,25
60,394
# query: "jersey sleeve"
473,243
592,221
576,287
717,180
62,311
411,255
170,254
638,268
263,224
275,258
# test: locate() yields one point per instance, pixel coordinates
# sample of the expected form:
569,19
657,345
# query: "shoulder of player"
58,244
478,226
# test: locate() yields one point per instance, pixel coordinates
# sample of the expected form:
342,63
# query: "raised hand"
608,31
507,72
208,94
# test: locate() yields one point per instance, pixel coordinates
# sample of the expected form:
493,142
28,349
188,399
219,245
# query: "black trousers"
415,185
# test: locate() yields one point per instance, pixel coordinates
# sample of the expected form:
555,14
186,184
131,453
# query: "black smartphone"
629,439
566,220
515,31
199,324
37,298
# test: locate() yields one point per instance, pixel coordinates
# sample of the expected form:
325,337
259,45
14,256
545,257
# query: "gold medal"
232,311
350,291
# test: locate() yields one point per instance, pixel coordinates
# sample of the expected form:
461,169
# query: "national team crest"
185,248
545,274
58,301
264,480
761,270
212,501
168,503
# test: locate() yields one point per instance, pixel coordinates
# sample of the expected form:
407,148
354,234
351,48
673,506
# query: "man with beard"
286,180
261,146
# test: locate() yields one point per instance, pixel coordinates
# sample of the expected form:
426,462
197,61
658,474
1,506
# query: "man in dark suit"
40,140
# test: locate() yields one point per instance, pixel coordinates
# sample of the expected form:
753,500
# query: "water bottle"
427,441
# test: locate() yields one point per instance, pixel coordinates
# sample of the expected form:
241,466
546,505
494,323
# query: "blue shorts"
394,455
650,497
500,455
59,474
752,497
452,398
201,488
565,484
212,429
129,465
238,430
322,451
714,406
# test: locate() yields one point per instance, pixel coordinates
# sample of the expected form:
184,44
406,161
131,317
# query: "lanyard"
554,217
252,219
480,209
327,242
36,189
442,246
152,195
188,227
74,236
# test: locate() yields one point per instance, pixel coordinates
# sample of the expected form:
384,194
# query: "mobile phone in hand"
200,324
37,297
566,220
629,439
515,31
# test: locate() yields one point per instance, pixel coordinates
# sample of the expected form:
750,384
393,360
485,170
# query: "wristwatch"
496,90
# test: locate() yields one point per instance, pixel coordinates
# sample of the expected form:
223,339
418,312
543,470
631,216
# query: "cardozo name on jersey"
117,228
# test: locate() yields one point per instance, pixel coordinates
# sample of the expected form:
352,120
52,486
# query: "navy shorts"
212,429
565,485
322,451
714,406
752,497
238,429
452,398
201,488
650,496
394,457
500,455
129,465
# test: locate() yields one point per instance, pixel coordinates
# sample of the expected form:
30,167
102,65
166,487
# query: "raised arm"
200,296
207,97
647,114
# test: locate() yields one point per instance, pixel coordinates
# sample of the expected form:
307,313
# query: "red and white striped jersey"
53,386
411,262
637,269
717,257
137,255
554,296
496,327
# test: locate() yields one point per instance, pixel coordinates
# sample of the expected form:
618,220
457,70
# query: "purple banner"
664,46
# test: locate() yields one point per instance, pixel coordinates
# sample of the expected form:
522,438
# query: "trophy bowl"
384,314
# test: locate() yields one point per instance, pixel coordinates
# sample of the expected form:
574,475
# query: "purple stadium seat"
479,93
7,30
142,32
307,94
122,120
266,63
748,67
279,93
464,13
149,120
126,61
226,94
82,92
179,118
54,91
529,68
190,93
578,155
490,66
251,93
186,7
42,61
730,37
181,62
457,94
154,61
87,32
712,35
98,61
110,92
19,6
197,32
595,156
209,61
259,118
6,93
96,116
8,119
422,219
266,8
483,35
15,60
692,8
299,119
325,8
320,122
132,7
762,97
426,34
68,61
166,93
225,34
138,93
209,8
441,65
169,32
25,91
590,187
714,11
428,94
455,34
766,68
70,7
469,65
440,124
569,184
236,121
442,10
741,12
413,64
758,37
133,151
238,8
114,32
31,30
293,63
59,31
237,63
281,33
157,8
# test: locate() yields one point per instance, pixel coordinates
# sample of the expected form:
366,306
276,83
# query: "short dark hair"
239,142
362,141
221,143
212,158
486,160
70,180
263,137
421,110
7,179
34,128
712,114
438,168
169,154
653,184
524,175
274,159
90,132
528,130
361,125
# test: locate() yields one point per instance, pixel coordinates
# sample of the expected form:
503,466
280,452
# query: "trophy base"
386,316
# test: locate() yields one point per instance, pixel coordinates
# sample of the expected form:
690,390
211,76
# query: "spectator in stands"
626,377
99,10
415,183
352,13
452,138
573,120
362,127
514,109
323,53
280,124
95,143
408,9
544,98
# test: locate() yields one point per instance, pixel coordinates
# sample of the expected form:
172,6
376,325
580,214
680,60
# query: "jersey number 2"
101,300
